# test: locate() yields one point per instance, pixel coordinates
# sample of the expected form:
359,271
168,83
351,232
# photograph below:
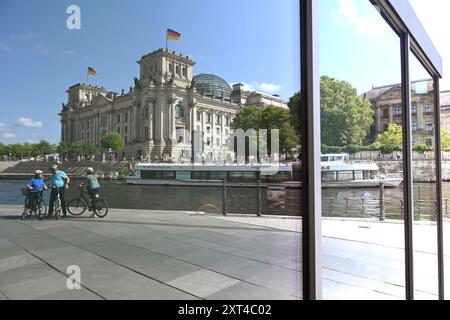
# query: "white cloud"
3,127
269,88
26,36
434,16
68,52
8,135
28,123
364,24
4,47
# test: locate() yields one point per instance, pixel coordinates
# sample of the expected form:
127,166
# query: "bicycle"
39,207
78,206
57,205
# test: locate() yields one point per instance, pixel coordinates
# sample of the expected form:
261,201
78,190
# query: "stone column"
391,114
378,116
63,128
213,129
173,132
193,121
151,117
160,121
419,117
222,133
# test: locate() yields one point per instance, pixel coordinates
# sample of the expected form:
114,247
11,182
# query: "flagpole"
167,49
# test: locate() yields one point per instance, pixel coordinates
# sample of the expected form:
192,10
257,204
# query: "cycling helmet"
54,167
90,170
38,172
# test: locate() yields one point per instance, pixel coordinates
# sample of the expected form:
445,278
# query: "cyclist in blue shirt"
59,182
35,186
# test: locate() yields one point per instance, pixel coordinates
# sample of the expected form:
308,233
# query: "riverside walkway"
133,254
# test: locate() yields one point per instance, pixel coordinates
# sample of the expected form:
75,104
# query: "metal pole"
382,204
224,205
407,166
310,119
259,199
439,189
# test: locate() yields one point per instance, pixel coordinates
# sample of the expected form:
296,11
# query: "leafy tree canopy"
113,141
257,118
345,116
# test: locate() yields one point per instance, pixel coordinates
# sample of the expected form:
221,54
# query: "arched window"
179,112
171,67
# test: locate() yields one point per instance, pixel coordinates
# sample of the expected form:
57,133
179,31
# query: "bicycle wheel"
57,209
76,207
101,208
28,211
41,210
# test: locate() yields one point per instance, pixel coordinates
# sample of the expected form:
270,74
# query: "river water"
335,201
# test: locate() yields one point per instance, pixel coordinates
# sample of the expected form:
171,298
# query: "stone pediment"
391,95
100,101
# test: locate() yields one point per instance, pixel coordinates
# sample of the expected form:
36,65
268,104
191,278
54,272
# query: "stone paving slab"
203,283
136,254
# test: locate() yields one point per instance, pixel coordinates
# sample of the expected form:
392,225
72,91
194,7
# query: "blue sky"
251,41
358,46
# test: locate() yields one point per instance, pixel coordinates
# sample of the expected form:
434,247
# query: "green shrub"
327,149
422,148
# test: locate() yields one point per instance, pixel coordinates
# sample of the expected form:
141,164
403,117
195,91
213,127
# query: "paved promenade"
136,254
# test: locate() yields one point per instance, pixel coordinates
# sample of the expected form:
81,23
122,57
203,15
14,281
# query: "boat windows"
279,177
217,175
199,175
158,175
246,176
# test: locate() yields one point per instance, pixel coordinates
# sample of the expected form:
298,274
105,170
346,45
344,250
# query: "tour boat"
212,175
339,172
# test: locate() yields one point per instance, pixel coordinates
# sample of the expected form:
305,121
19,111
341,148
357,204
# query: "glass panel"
361,117
231,64
424,174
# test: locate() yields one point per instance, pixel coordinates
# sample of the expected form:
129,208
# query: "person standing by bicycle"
59,182
93,187
35,186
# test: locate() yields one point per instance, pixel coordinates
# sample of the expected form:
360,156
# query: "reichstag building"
159,114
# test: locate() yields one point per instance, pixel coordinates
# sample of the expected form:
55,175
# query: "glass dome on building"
212,84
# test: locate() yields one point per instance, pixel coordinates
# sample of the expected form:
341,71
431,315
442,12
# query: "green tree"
45,148
252,117
113,141
34,150
422,148
62,149
91,150
18,150
345,116
445,140
391,139
295,107
77,148
2,149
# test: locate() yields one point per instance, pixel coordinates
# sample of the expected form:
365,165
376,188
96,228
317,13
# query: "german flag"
91,72
173,35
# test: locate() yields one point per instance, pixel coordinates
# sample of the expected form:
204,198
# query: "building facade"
387,105
158,116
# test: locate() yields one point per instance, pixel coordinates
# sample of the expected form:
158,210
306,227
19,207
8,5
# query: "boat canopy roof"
201,167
